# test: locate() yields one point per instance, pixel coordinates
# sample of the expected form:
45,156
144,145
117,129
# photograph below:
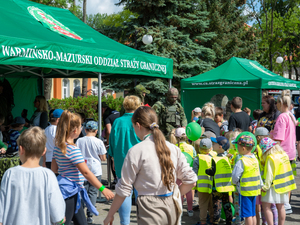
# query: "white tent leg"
170,83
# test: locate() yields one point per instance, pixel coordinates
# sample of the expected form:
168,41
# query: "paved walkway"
292,219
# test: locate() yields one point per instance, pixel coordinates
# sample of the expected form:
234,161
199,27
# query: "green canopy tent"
36,36
236,77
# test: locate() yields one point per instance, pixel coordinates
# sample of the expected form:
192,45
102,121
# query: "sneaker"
288,208
190,213
89,220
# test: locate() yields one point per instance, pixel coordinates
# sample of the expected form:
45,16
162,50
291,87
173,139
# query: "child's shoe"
89,220
190,213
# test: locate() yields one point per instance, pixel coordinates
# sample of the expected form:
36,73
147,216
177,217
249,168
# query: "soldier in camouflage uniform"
140,91
170,112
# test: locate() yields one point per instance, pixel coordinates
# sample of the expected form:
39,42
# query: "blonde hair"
208,110
43,103
145,116
285,99
233,136
33,140
131,103
276,149
67,124
172,137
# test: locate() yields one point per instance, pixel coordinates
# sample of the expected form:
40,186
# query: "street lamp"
279,59
147,38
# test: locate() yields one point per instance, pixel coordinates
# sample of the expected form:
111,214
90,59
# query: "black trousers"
78,218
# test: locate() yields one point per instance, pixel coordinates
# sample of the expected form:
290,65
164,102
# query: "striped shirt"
14,135
67,163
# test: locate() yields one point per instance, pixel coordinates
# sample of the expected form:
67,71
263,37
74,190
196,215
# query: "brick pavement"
293,219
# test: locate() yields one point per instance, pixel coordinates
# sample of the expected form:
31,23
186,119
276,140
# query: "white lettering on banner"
281,84
221,83
34,53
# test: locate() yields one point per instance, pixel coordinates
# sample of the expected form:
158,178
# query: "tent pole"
170,83
99,105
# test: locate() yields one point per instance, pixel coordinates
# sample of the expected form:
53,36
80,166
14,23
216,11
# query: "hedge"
86,105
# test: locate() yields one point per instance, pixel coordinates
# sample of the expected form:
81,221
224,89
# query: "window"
76,83
66,88
95,87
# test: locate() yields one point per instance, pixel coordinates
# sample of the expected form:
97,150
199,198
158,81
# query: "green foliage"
86,105
278,26
65,4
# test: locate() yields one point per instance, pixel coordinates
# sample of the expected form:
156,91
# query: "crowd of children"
242,173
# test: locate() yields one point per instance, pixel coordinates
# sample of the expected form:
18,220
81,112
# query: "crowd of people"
244,166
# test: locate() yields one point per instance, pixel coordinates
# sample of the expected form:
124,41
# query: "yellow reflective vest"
184,147
204,182
223,175
213,153
283,175
250,180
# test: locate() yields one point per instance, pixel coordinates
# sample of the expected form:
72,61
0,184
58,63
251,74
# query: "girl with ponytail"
68,162
152,167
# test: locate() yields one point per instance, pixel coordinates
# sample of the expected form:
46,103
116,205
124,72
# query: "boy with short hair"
93,151
246,177
50,132
221,172
239,119
219,119
14,132
29,193
204,182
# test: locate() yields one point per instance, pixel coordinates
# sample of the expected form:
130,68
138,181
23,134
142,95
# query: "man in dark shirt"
109,116
239,119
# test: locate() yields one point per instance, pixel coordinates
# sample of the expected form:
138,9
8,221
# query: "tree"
278,26
234,37
178,31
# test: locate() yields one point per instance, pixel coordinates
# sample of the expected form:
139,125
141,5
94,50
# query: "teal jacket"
121,139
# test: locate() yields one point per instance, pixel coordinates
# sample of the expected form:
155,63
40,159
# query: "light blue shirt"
121,139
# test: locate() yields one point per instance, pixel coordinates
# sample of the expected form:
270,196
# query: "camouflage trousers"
220,199
6,163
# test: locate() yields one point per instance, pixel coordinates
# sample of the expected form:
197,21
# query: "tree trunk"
47,88
84,11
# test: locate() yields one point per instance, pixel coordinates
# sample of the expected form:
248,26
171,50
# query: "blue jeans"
125,209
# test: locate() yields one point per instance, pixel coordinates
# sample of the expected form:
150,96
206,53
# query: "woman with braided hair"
152,167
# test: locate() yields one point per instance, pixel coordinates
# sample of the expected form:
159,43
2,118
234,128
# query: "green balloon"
193,131
223,216
248,134
189,158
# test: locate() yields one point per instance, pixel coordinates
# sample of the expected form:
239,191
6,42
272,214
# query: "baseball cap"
208,134
261,131
141,88
223,141
93,125
19,120
197,109
266,144
245,140
179,132
205,143
57,113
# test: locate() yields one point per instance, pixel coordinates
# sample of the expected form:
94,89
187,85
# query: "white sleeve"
57,203
101,148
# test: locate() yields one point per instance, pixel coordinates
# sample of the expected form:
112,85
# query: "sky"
103,6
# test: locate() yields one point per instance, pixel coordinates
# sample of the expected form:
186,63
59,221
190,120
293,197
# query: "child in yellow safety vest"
221,172
204,182
278,179
189,149
246,177
260,133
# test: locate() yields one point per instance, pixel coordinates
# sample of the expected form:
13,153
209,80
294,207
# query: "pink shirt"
285,131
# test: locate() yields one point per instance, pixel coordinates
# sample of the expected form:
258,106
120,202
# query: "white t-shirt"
50,132
91,147
30,196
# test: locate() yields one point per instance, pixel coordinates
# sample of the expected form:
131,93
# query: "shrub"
86,105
